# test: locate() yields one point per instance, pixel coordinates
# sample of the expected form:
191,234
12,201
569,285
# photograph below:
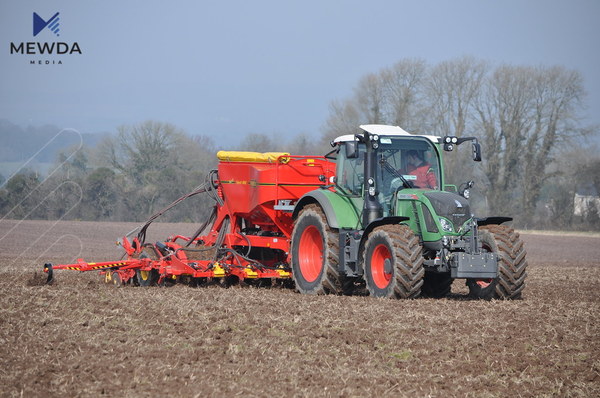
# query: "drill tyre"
512,264
393,262
146,278
315,254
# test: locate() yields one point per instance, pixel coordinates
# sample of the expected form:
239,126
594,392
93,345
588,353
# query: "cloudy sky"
228,68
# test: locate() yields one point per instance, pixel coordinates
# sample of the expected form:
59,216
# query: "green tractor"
388,222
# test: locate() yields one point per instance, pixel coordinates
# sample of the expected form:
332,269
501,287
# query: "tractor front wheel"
507,244
393,262
315,254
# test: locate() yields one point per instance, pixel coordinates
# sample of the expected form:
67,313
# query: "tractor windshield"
402,162
407,161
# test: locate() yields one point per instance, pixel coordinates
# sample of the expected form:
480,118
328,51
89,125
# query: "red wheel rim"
311,253
380,255
483,283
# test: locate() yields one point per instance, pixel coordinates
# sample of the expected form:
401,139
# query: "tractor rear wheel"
436,285
507,244
315,248
393,262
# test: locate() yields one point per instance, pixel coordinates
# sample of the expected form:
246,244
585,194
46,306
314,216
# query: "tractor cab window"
350,171
410,158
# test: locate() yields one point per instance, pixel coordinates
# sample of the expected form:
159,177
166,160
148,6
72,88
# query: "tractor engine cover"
451,206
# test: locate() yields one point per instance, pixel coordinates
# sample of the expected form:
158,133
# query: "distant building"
584,204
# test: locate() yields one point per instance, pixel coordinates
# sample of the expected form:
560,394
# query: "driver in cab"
422,172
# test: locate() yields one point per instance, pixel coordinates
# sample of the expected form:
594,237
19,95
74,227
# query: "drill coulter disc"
116,279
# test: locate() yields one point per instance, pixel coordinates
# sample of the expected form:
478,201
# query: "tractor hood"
451,206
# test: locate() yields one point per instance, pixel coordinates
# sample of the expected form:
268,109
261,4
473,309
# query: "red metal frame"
258,198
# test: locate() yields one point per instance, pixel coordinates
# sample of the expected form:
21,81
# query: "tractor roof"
382,129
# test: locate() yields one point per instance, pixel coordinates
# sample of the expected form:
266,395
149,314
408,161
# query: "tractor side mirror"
351,149
476,151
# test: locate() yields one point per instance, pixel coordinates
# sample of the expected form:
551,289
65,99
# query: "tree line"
130,175
529,121
126,177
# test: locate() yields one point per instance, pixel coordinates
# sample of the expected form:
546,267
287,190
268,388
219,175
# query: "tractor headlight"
446,225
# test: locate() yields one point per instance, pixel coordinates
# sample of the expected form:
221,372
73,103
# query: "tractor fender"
492,220
322,200
378,222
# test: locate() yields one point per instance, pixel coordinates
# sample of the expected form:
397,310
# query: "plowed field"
81,337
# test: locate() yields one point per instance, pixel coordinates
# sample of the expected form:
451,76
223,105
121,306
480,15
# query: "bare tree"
504,116
140,149
524,114
370,98
156,163
403,92
344,118
391,96
452,88
557,95
304,144
259,143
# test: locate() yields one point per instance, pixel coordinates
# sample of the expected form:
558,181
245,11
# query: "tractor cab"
403,161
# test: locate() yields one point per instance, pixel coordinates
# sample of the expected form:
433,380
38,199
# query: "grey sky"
228,68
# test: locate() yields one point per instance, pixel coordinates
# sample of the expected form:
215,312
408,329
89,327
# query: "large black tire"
393,262
512,264
436,285
315,254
